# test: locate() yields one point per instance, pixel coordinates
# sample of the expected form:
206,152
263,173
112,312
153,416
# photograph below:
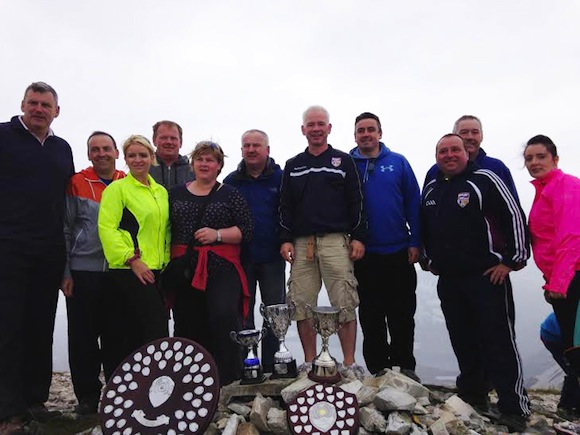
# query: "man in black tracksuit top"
474,234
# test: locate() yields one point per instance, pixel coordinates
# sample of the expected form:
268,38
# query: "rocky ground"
228,421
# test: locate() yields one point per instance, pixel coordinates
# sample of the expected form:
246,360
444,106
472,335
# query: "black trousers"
271,278
208,317
29,286
478,315
85,314
566,313
136,316
386,290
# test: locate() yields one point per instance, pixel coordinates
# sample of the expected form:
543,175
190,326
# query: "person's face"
316,128
206,167
470,131
138,160
367,136
102,154
39,110
255,152
167,142
539,162
451,156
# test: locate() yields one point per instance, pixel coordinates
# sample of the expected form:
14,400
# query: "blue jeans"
271,277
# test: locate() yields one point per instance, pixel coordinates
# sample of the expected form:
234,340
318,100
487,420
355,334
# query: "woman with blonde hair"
134,232
214,218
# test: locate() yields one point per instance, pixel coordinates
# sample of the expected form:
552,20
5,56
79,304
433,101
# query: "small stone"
240,409
292,390
366,395
277,421
232,425
247,429
372,420
259,413
352,387
398,424
390,399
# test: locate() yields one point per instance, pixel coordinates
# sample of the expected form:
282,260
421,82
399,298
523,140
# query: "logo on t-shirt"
463,199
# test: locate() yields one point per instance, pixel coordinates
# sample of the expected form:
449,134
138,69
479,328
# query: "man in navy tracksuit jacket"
470,129
474,233
392,201
35,166
258,179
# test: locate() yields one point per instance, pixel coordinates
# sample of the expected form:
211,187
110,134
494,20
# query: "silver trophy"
249,338
324,366
279,317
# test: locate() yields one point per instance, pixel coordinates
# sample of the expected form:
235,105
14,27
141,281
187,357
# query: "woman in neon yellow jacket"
134,232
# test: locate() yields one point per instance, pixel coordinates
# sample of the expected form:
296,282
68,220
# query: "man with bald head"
470,129
35,166
323,231
474,234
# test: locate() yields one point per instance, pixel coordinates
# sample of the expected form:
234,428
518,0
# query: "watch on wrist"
219,236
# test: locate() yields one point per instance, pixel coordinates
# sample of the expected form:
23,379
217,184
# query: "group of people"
356,221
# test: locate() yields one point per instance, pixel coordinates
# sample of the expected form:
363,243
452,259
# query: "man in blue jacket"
35,166
258,178
392,202
470,129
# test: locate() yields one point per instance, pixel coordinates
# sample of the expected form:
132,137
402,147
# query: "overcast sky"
220,68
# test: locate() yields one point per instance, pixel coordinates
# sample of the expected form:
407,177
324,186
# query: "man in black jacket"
323,231
35,166
474,235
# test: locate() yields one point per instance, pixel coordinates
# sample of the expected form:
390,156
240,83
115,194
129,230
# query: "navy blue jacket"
472,222
391,201
321,194
484,162
263,196
33,181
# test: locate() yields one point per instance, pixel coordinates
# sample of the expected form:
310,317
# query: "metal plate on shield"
323,409
169,386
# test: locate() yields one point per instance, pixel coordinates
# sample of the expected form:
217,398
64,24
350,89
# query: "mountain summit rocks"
391,404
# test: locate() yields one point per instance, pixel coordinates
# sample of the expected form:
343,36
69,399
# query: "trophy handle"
344,310
264,332
263,310
309,308
234,336
291,308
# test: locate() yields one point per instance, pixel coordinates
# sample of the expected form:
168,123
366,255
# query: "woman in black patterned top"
217,300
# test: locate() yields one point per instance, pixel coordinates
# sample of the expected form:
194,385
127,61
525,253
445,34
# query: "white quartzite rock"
372,420
232,425
259,413
390,399
292,390
277,421
398,424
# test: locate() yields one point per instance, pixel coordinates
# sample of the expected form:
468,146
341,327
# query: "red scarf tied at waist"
227,251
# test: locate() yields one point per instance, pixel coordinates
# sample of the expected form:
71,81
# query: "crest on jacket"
462,199
336,161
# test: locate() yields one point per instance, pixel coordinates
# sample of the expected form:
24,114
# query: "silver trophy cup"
249,338
279,317
326,323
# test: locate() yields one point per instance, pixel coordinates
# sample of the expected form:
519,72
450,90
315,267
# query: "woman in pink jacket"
555,231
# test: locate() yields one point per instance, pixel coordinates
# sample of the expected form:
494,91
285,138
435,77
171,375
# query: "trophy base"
324,375
284,370
252,376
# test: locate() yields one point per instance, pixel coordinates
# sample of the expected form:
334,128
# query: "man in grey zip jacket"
85,282
173,169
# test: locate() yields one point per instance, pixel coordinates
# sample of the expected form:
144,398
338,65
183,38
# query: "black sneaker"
514,422
410,373
480,403
86,407
41,413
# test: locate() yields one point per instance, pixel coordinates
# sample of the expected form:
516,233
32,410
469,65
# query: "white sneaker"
353,372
